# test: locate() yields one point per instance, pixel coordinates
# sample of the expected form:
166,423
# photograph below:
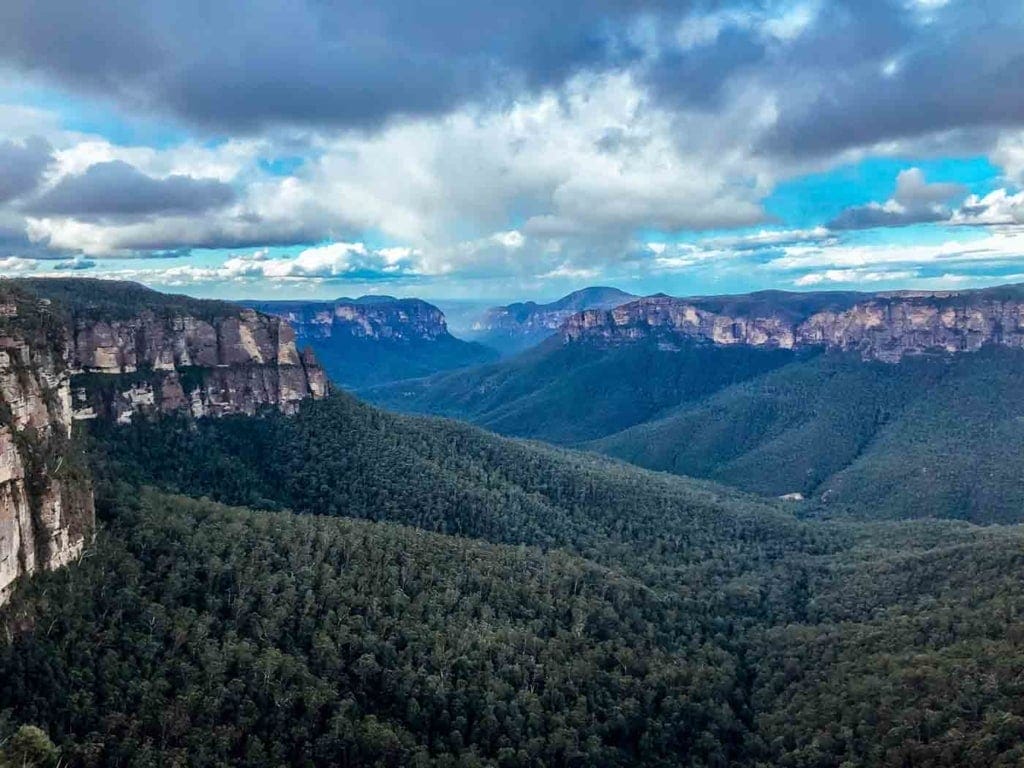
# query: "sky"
492,151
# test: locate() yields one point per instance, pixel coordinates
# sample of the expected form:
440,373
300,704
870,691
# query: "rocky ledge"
86,349
132,350
884,326
369,317
212,366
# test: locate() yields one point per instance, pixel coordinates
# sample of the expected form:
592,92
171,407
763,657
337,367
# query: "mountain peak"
515,327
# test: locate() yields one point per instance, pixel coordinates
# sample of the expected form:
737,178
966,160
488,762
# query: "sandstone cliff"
46,507
376,339
370,317
133,350
217,366
515,327
886,326
85,349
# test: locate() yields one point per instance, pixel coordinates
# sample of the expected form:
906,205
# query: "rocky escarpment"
884,327
376,339
517,326
368,317
132,350
85,349
212,366
46,506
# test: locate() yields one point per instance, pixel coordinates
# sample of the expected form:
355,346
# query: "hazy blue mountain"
516,327
376,339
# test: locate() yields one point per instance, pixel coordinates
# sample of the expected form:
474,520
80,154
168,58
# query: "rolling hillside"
919,432
501,604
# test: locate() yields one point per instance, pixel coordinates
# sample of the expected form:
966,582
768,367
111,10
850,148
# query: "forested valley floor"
394,590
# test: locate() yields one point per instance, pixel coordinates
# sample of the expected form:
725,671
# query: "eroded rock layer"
85,349
213,366
883,327
46,505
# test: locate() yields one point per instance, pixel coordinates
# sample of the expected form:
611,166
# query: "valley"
324,581
517,327
511,384
875,406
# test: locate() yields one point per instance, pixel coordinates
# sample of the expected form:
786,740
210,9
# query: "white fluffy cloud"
999,207
334,260
581,167
594,158
994,247
848,276
15,265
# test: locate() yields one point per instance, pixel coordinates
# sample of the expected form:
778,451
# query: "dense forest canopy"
428,594
931,436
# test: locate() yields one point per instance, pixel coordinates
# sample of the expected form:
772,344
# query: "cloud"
998,207
117,190
767,238
499,140
849,276
351,262
888,71
995,247
22,166
841,75
1009,154
16,265
241,65
433,183
326,261
75,264
914,202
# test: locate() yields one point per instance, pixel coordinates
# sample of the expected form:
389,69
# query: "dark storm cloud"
22,166
118,190
958,68
915,201
697,76
870,216
862,71
241,64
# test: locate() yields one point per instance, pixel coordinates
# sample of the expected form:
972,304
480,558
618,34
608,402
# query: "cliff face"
211,366
376,339
518,326
883,327
46,506
369,317
85,349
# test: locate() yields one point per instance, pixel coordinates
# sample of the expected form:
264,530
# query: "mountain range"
269,580
516,327
879,404
376,339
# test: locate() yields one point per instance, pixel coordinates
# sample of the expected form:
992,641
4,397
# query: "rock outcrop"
209,366
86,349
133,350
376,339
46,505
368,317
515,327
885,326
